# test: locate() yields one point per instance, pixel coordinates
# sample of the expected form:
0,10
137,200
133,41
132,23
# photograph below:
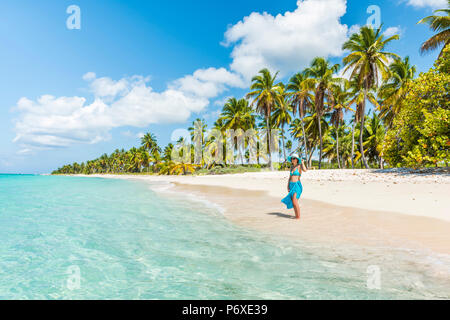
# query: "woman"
294,186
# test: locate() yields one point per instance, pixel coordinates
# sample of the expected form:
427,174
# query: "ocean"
93,238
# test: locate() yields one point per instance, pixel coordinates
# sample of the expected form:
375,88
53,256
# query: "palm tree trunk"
320,138
361,131
353,143
304,135
310,157
337,147
268,143
284,145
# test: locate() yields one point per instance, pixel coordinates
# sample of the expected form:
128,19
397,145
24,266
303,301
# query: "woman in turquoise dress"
294,186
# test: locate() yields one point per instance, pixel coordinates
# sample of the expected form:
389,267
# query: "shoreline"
346,215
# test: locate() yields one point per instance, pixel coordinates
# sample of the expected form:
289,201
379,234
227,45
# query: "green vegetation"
409,126
421,130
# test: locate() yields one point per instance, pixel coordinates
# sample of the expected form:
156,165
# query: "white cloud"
289,41
208,82
89,76
428,3
389,32
51,122
354,29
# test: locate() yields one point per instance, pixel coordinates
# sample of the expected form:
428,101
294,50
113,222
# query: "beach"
377,208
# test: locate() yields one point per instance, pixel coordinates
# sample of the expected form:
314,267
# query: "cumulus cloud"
427,3
51,121
288,41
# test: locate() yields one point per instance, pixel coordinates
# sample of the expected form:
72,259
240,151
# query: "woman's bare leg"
296,206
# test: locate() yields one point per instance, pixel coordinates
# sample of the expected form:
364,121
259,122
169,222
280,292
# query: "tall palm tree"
265,94
441,25
301,100
339,102
281,116
394,89
237,115
357,93
321,77
367,60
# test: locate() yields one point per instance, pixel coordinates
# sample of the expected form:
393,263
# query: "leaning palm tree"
367,60
441,25
393,90
265,94
339,102
321,77
301,100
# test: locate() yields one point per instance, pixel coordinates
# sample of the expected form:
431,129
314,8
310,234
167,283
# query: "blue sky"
138,66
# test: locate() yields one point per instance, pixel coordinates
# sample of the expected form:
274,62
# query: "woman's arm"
303,166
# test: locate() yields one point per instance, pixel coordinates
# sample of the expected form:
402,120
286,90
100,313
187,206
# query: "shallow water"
127,242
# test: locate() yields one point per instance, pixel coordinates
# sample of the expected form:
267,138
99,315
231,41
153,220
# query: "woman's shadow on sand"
281,215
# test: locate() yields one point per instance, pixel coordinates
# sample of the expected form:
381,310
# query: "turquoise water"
127,242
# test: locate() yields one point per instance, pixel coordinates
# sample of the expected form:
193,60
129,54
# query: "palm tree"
167,154
301,100
441,25
394,89
281,115
134,161
265,94
358,96
339,103
149,142
237,115
367,60
197,132
321,77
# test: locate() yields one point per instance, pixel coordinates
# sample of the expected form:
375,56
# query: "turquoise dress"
294,188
